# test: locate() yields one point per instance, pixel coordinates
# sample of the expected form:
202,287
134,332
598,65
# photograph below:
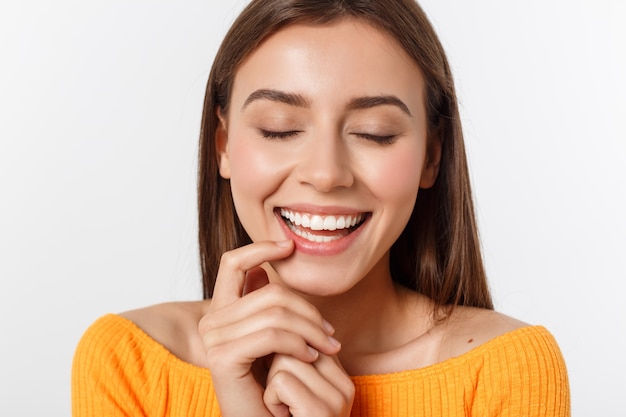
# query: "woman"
341,264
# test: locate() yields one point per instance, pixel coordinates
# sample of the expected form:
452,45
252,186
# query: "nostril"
324,162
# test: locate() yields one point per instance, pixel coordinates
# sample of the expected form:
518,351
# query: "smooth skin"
324,153
286,327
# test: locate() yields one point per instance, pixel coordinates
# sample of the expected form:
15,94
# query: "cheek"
249,168
257,170
396,178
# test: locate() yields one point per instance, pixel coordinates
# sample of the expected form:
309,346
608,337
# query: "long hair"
438,253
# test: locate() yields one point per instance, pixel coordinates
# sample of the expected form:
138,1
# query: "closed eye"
270,134
382,139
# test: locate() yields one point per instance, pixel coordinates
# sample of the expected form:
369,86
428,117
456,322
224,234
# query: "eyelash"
382,140
268,134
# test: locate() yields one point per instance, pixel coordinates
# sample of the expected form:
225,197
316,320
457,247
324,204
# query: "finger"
270,307
332,370
324,373
233,359
285,392
253,304
273,317
319,389
234,265
256,278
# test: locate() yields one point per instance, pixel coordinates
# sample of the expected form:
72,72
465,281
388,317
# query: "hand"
241,329
321,388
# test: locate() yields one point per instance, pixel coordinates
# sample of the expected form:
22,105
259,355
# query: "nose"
325,164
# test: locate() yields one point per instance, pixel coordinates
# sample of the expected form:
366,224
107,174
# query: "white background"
100,104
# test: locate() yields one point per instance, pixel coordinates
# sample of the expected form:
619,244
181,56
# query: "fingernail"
329,327
314,353
334,341
283,243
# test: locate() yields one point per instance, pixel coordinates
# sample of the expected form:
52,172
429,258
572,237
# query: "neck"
375,316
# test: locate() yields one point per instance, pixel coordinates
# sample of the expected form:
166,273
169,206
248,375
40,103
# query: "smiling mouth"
321,228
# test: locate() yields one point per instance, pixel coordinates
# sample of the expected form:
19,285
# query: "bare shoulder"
173,325
470,327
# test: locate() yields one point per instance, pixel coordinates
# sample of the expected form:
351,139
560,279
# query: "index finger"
235,263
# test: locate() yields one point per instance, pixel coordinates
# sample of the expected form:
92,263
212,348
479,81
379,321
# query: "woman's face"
325,143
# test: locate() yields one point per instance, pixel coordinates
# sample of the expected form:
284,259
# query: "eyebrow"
360,103
277,96
297,100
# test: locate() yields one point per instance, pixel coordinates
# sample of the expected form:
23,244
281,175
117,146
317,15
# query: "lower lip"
320,248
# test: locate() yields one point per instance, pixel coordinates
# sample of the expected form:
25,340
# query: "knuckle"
215,357
311,311
315,314
280,379
227,260
270,335
210,340
280,296
278,313
275,292
206,324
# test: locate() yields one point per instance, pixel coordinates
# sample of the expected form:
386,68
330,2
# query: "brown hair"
438,253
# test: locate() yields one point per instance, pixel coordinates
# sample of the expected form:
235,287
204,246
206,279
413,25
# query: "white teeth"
298,222
312,237
306,221
330,223
318,222
341,223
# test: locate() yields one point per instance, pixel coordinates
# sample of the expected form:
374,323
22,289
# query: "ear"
221,145
430,171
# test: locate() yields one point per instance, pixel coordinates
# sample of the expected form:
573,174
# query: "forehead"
346,57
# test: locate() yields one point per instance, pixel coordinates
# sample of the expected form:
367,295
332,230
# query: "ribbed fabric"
521,373
120,371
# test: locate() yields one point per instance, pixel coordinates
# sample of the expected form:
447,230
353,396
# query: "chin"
313,278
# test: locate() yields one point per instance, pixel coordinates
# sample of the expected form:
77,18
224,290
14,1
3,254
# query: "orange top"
120,371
